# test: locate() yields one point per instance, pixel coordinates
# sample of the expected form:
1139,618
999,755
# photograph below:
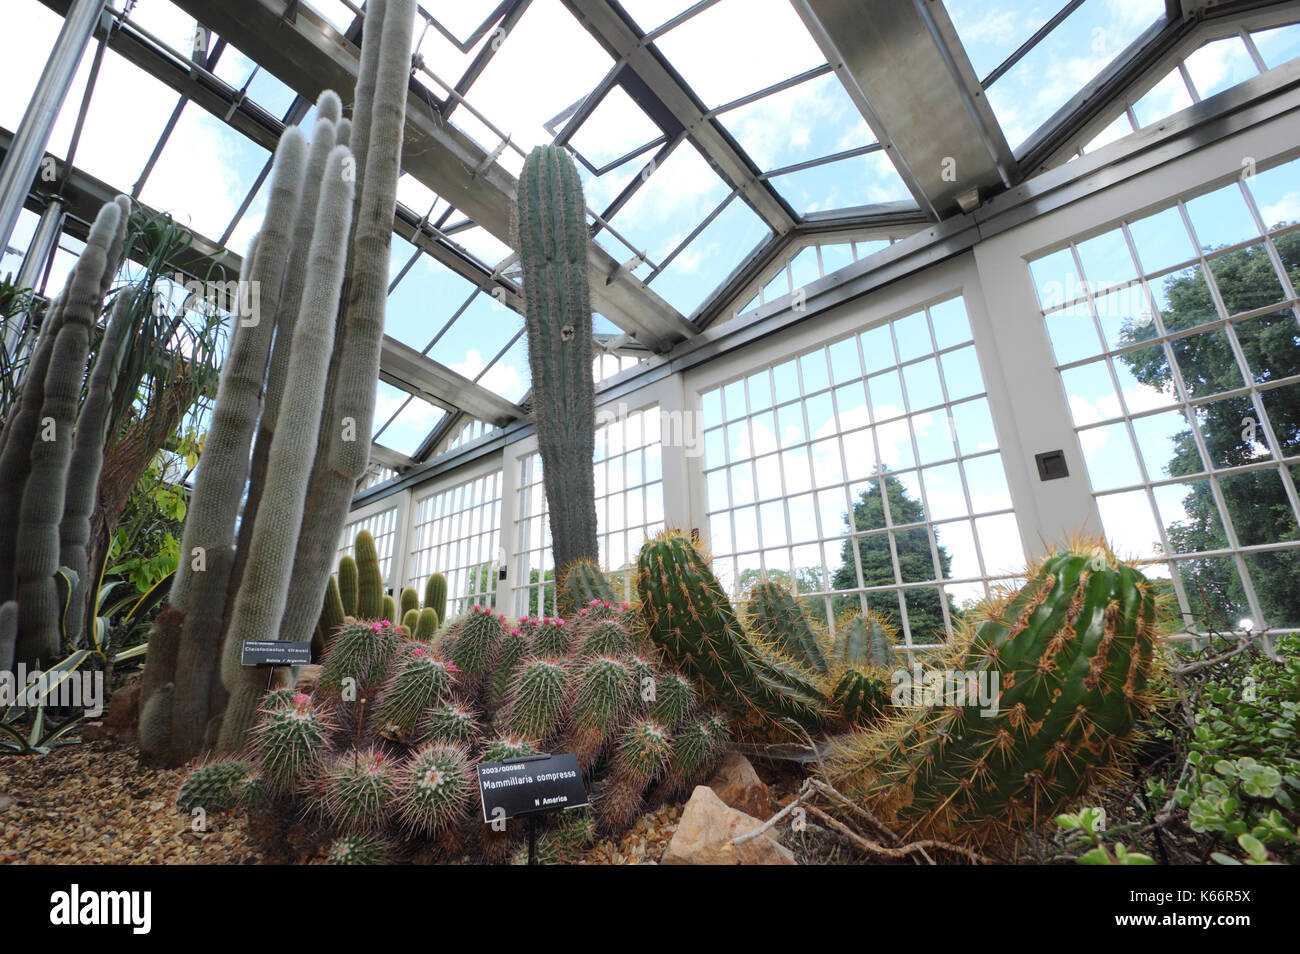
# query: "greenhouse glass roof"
717,140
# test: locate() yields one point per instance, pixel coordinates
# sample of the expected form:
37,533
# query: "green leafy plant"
1243,771
1088,823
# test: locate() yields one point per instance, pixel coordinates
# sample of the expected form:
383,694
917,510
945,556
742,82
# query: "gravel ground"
94,803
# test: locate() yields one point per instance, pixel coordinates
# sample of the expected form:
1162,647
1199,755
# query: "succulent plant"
361,652
603,638
418,680
410,601
474,640
290,742
538,698
435,596
643,753
214,786
552,637
697,746
427,624
451,723
435,788
675,700
359,850
349,580
358,789
581,583
514,649
1072,653
603,691
775,616
690,618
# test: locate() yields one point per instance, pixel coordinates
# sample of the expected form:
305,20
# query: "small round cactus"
434,788
357,791
360,651
603,690
505,747
214,786
418,680
513,650
605,638
643,752
452,723
674,700
475,639
536,699
358,850
290,742
552,638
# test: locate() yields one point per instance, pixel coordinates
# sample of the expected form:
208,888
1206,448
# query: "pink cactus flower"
417,651
301,700
451,667
476,608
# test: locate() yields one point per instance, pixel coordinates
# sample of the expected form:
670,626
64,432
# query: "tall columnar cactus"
331,618
20,431
185,646
349,580
410,601
690,618
265,587
1073,652
88,458
775,616
426,625
370,578
582,582
36,551
866,639
8,634
552,241
435,595
343,451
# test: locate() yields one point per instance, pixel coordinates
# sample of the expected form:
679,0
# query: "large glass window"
866,472
457,533
383,527
1178,345
628,469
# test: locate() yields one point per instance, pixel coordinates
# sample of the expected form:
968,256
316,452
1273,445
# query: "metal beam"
309,56
612,31
903,67
403,367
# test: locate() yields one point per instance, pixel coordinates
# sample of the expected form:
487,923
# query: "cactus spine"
583,582
692,621
1073,652
552,241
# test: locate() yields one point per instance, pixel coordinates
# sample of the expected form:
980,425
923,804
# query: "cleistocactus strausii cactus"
200,589
264,589
43,495
775,616
426,625
582,582
435,596
343,450
1072,653
690,618
551,238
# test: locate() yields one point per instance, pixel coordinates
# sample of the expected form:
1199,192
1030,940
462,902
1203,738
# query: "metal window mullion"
884,492
823,536
1187,81
808,456
1253,50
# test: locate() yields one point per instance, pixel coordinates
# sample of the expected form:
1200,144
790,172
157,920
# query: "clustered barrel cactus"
383,751
1073,652
291,423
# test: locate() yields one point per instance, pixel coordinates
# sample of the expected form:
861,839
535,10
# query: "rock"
704,836
308,677
737,784
122,720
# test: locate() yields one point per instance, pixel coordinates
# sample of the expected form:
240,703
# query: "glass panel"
1279,45
1165,98
1221,217
1219,65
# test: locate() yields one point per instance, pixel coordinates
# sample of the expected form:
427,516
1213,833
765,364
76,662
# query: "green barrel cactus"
690,618
1073,652
418,680
290,743
537,699
435,596
215,786
435,788
349,584
582,582
358,850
